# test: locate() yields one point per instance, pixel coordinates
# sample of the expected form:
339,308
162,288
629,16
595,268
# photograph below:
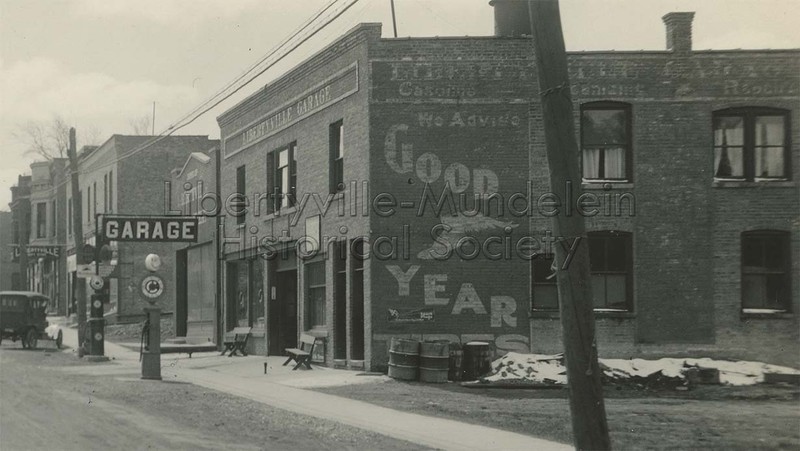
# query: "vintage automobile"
23,317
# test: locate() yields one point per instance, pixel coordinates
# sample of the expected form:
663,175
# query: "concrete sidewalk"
244,376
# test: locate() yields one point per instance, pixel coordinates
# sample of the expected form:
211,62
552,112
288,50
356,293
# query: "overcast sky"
100,64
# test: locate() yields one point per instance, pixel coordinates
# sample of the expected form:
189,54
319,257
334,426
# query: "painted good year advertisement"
446,258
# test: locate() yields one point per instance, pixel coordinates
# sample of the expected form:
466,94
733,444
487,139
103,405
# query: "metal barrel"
477,360
456,362
434,361
404,359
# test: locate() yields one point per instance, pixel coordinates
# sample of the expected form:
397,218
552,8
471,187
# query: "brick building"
20,207
431,151
128,175
9,270
47,242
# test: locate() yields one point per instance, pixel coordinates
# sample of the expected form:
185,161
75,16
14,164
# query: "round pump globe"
152,262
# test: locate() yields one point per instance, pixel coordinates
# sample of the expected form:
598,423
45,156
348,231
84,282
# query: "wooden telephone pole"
77,225
589,426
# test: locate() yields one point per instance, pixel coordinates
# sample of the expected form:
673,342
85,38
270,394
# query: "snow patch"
550,369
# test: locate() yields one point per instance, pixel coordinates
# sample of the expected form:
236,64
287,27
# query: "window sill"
283,212
765,314
719,183
552,314
605,184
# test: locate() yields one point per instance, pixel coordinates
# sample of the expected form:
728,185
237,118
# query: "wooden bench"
236,340
301,354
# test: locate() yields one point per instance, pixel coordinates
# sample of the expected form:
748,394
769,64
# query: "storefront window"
257,294
315,283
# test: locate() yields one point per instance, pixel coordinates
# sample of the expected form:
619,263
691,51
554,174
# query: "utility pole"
77,226
394,19
589,425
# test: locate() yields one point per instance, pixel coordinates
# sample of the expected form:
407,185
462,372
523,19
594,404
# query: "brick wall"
140,190
340,69
449,103
7,267
685,230
448,111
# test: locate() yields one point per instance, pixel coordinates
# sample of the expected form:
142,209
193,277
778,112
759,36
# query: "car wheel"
59,339
31,338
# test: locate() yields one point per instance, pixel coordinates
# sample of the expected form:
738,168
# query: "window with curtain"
606,141
766,271
751,144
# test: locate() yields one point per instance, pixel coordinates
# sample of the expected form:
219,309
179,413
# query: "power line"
270,65
186,120
261,60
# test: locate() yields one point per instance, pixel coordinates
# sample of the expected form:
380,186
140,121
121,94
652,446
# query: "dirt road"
44,408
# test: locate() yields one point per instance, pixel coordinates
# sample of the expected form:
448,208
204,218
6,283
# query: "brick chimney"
679,31
511,18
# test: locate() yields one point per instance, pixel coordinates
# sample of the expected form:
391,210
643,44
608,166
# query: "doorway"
357,306
340,300
283,312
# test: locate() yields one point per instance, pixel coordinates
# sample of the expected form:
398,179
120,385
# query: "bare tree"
46,139
140,125
50,139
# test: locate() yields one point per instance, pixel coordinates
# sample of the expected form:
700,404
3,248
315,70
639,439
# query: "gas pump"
150,350
94,339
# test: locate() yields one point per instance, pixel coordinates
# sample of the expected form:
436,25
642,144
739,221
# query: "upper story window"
105,193
611,270
53,216
69,217
766,271
240,191
41,220
606,141
282,174
111,191
337,156
751,144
